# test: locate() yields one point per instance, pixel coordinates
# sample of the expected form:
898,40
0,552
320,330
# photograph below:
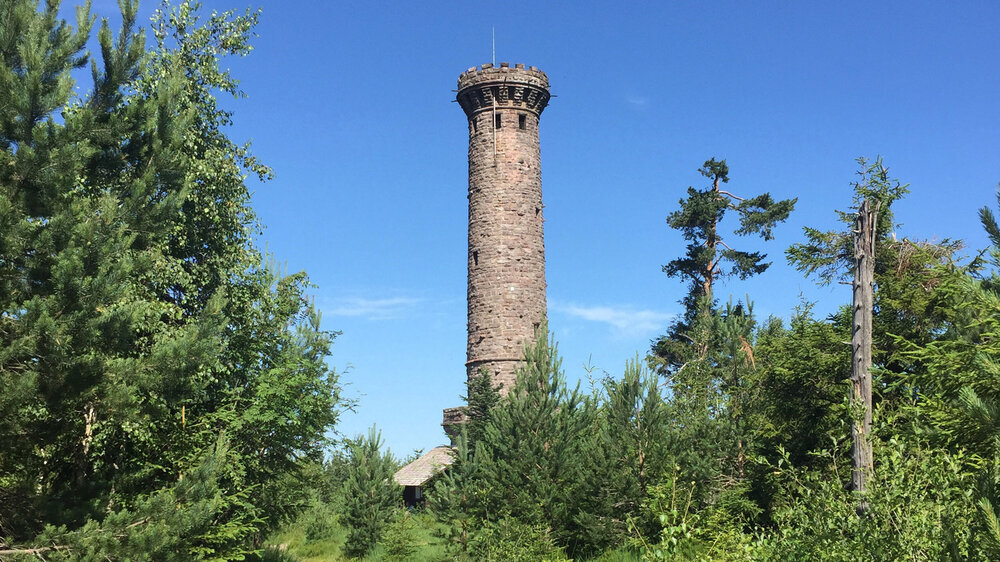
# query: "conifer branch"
36,551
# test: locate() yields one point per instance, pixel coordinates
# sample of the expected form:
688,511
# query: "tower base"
454,418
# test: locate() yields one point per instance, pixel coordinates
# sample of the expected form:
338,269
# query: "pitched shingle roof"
418,472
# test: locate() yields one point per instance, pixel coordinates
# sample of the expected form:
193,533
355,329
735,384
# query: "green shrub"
318,522
920,508
400,541
622,554
275,554
511,540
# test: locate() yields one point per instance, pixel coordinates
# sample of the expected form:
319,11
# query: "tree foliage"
481,399
370,493
531,452
699,218
829,254
138,323
709,258
634,440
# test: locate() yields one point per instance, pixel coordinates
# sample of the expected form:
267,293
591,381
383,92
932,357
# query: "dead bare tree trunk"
861,345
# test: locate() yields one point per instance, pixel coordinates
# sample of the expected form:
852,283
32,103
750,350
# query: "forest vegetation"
164,391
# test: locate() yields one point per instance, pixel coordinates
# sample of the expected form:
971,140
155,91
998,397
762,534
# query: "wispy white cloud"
371,309
625,319
638,101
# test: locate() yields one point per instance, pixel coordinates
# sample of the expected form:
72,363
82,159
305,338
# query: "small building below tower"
414,476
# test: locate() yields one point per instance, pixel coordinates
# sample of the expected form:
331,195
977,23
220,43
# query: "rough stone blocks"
506,284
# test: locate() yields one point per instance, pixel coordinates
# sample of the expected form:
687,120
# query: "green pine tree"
631,453
957,378
482,397
454,495
532,454
709,258
371,495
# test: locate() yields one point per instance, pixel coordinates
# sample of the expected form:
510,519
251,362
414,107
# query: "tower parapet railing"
489,87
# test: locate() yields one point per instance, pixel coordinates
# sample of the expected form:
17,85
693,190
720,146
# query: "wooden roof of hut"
418,472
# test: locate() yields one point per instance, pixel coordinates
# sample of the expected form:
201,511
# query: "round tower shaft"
506,285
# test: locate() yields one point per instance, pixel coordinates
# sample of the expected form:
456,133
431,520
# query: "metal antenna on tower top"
494,29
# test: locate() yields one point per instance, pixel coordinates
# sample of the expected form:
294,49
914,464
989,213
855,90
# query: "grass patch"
318,537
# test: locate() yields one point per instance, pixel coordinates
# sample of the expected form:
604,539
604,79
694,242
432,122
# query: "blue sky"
351,103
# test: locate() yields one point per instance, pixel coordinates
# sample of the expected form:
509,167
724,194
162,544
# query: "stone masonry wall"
506,284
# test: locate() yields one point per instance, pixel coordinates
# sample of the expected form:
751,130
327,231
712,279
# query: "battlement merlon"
508,87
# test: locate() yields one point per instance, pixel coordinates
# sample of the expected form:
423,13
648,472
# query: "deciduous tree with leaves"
138,324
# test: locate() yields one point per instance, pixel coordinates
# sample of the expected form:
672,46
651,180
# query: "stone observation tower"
506,247
506,290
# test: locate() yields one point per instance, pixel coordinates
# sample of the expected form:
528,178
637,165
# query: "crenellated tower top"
509,87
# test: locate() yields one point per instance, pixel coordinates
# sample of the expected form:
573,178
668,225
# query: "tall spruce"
829,254
907,277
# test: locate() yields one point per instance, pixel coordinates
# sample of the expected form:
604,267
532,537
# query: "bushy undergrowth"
511,539
409,535
919,507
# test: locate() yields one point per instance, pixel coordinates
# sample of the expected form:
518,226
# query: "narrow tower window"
522,121
475,124
496,124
